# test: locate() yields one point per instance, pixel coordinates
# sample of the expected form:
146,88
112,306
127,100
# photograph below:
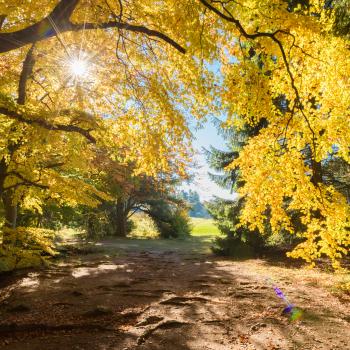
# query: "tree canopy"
124,78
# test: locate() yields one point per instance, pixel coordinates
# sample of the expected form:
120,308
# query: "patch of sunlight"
31,282
143,227
81,272
86,271
204,227
110,267
58,280
68,234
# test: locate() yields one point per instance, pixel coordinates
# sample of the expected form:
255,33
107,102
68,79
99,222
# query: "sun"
78,67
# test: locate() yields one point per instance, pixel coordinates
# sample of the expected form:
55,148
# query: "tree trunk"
10,210
316,167
121,219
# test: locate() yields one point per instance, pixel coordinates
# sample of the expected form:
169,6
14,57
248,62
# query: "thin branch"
238,24
134,212
273,37
52,165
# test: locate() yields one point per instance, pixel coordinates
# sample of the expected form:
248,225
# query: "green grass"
204,227
145,228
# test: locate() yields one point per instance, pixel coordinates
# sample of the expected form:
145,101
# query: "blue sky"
202,184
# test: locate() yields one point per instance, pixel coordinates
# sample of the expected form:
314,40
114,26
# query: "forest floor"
169,295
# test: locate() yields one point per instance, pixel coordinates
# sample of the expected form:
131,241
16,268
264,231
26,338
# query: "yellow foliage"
311,74
25,247
134,100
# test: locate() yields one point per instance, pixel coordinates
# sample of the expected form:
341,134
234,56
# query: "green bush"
170,217
238,240
176,224
232,246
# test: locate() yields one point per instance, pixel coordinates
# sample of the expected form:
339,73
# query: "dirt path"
162,296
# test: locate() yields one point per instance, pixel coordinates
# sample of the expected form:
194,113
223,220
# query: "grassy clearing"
144,227
204,227
144,236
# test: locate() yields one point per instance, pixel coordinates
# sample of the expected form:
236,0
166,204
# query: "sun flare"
78,67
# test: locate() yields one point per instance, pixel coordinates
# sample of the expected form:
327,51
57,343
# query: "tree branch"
272,36
59,20
27,71
25,182
53,165
46,125
131,28
2,20
238,24
136,209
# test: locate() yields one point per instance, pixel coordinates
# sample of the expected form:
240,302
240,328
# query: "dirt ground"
174,295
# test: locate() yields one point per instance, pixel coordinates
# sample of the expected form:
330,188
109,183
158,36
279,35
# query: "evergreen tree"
238,240
196,207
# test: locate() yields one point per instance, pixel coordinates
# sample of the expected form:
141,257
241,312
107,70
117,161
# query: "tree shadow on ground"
150,295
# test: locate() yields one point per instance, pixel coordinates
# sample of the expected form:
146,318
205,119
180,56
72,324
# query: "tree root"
168,324
182,300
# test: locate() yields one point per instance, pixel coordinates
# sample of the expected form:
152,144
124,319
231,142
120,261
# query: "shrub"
144,227
232,246
239,240
170,217
25,247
